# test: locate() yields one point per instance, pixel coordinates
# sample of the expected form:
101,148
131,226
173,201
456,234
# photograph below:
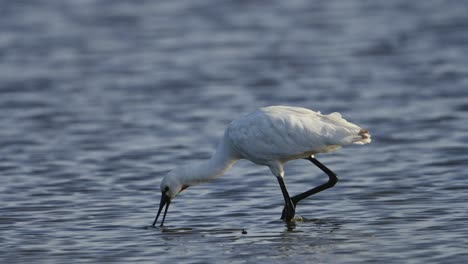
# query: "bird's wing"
284,133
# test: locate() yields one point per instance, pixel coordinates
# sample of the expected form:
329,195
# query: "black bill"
165,200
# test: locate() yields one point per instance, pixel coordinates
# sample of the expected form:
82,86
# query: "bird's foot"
289,211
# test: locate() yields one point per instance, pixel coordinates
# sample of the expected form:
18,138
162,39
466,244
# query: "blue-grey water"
100,98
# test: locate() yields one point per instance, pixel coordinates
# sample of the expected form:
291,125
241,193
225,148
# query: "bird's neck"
224,157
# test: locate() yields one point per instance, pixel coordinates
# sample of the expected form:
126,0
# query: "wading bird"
270,136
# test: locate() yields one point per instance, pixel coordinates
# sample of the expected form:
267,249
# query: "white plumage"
283,133
269,136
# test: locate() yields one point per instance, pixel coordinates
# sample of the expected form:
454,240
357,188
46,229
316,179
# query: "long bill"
165,200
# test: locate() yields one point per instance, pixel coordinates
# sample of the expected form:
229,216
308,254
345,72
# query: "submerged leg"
289,207
332,180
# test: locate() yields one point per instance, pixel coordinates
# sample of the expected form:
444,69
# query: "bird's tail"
346,132
363,137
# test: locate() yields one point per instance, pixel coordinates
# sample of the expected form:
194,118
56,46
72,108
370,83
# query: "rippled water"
99,99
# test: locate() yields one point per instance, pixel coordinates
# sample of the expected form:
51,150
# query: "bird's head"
170,186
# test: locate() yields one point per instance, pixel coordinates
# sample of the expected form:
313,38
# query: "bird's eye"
166,189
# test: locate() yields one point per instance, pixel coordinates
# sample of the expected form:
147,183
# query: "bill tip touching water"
270,136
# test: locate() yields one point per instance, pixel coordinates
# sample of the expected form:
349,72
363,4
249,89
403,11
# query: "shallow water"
99,99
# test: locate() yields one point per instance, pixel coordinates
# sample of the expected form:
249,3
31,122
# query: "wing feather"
284,133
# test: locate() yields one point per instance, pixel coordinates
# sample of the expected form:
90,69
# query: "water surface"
99,99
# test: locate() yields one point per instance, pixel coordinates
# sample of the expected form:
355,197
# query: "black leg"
289,208
332,180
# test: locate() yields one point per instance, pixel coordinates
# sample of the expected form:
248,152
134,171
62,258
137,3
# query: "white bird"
270,136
